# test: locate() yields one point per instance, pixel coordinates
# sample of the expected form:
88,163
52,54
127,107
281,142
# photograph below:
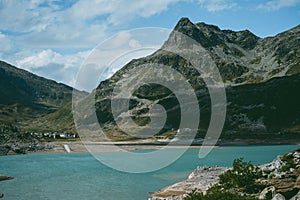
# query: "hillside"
261,76
27,100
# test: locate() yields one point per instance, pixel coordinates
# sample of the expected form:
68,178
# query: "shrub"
215,194
242,176
235,184
289,163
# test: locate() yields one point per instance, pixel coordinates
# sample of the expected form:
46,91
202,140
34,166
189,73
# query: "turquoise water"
80,176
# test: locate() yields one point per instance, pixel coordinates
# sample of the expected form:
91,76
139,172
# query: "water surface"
80,176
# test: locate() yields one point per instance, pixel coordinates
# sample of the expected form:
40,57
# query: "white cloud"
5,42
114,53
6,45
24,16
278,4
82,25
103,63
50,64
217,5
134,43
38,27
143,8
46,57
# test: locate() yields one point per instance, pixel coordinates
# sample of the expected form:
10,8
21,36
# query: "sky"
52,38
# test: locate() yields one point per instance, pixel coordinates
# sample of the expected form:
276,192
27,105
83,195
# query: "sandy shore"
79,147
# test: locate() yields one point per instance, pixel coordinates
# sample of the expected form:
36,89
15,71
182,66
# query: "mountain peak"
183,22
211,35
186,22
204,34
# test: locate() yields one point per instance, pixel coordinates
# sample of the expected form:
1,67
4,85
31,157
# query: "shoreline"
283,182
71,147
201,179
78,147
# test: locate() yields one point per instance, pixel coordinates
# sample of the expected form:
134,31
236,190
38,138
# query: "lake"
80,176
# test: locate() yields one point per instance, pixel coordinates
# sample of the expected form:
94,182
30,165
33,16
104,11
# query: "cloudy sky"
52,37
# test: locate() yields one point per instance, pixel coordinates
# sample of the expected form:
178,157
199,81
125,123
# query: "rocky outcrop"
266,191
284,174
23,148
13,140
278,197
296,197
200,179
4,178
281,179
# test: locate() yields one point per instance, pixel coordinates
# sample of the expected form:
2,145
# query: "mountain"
261,76
242,57
29,101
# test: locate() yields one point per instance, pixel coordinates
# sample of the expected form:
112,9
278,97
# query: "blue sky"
53,37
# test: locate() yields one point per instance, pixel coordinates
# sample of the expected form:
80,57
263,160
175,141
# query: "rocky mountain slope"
242,57
261,76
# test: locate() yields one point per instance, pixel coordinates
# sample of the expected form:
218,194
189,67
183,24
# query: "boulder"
278,197
4,178
264,193
296,197
4,149
297,183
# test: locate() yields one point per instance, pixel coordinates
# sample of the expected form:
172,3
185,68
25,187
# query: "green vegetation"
217,195
288,163
248,182
237,183
34,103
242,176
9,132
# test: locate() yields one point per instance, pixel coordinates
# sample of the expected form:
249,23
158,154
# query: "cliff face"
261,76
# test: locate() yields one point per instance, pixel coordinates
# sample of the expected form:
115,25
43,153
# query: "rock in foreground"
4,178
201,179
278,180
